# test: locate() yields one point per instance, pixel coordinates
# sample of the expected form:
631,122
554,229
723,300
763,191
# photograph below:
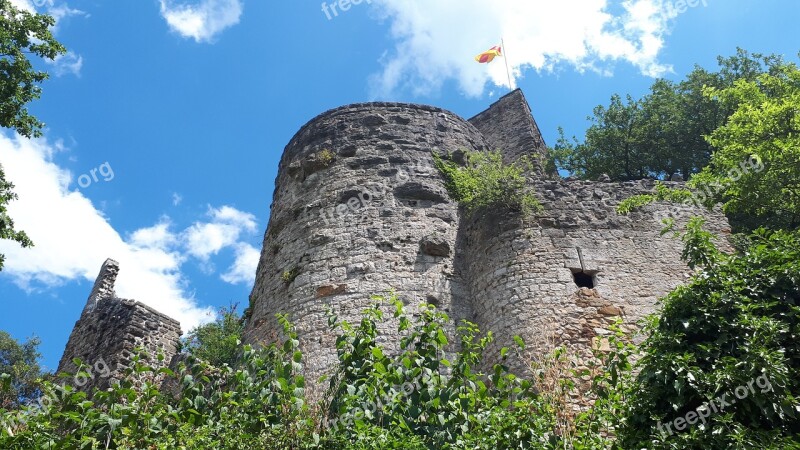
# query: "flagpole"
505,58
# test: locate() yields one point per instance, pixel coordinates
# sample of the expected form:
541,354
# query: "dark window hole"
584,279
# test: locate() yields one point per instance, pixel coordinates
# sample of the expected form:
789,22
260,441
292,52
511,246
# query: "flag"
489,55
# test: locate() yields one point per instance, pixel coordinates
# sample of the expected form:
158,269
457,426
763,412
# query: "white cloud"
73,238
227,225
176,199
69,62
436,41
244,268
61,10
203,19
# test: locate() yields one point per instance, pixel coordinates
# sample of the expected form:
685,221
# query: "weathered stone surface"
374,205
519,272
435,245
330,289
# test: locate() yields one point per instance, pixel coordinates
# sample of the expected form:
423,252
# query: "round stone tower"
359,209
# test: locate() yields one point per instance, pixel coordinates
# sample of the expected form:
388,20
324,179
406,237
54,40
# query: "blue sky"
167,119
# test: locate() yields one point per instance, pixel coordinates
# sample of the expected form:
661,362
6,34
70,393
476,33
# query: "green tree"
755,171
7,230
725,348
217,342
663,132
22,33
20,374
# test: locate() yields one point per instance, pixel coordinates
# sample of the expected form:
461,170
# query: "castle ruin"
359,209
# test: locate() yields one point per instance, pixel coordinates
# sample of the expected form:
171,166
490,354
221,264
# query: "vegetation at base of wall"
413,399
731,334
483,180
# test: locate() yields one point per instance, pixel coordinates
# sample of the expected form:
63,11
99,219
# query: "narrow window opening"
584,279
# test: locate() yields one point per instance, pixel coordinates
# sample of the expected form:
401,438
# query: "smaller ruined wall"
109,331
520,273
508,126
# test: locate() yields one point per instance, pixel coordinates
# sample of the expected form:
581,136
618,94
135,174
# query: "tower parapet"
509,127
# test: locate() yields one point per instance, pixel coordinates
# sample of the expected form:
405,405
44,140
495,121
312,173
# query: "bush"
416,399
218,342
730,334
485,181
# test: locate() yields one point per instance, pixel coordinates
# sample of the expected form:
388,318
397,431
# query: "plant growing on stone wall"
289,275
485,181
661,194
326,157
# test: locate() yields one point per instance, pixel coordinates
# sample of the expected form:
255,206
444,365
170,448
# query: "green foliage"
218,342
21,34
755,172
663,132
260,404
289,275
326,156
7,230
484,181
734,326
19,367
662,194
412,399
412,392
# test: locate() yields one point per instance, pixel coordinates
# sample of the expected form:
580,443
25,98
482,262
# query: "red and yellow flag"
489,55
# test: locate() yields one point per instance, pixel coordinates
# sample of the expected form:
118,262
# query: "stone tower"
109,331
359,209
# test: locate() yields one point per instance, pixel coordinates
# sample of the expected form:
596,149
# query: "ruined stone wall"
110,329
521,273
359,209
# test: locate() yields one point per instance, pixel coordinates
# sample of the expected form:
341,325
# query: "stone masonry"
110,330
